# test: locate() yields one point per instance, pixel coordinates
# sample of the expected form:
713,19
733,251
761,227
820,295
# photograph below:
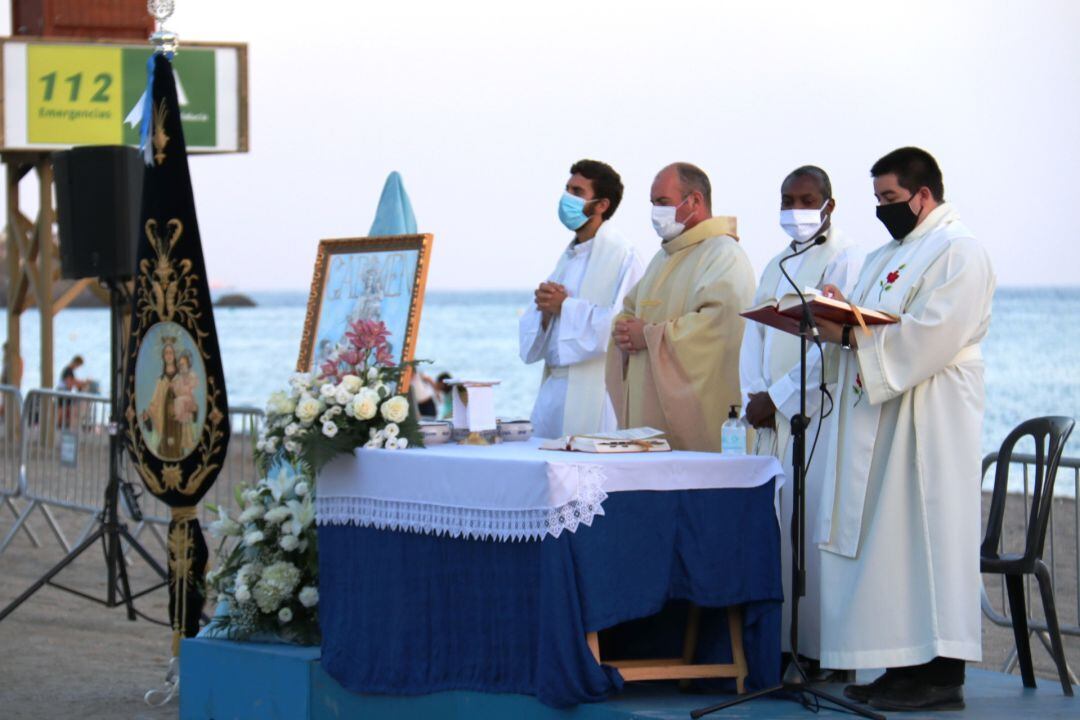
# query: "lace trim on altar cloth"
472,523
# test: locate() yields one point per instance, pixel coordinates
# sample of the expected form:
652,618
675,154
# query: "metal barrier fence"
11,453
1061,553
62,446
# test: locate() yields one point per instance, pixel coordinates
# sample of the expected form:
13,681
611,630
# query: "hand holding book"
830,309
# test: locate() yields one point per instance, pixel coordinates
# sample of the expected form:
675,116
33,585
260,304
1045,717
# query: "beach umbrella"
176,412
394,216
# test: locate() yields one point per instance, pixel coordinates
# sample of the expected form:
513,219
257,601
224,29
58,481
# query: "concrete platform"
224,680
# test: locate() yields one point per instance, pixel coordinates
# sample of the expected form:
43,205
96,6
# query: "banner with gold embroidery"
175,407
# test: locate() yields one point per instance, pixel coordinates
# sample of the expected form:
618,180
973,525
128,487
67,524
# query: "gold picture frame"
366,278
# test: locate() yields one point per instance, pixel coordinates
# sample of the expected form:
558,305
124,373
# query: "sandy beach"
65,657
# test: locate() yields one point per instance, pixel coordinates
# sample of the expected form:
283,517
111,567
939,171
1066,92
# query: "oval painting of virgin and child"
170,391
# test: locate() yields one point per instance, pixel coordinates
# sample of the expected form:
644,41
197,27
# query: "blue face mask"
572,211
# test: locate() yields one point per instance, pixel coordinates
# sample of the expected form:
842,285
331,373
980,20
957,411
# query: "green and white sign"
60,94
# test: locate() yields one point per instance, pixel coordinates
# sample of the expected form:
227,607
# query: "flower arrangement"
268,559
268,564
348,404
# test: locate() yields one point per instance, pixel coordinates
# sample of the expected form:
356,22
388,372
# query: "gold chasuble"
690,299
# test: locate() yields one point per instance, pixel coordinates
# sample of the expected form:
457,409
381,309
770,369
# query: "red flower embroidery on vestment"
886,284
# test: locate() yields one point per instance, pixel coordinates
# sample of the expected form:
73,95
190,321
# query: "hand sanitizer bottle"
733,434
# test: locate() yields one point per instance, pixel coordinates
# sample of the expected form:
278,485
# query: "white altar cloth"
511,491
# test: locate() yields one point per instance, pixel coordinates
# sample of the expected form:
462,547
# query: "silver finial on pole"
163,40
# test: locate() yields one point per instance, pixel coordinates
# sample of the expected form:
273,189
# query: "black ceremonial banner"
175,408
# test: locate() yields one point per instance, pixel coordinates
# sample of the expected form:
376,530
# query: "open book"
643,439
784,314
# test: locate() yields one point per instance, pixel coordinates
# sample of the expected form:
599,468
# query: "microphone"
796,251
815,240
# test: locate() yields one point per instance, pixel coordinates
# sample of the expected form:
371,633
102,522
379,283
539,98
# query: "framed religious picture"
375,278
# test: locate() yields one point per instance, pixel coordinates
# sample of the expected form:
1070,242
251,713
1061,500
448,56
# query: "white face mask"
664,222
802,225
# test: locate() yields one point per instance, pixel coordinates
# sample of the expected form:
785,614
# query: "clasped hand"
629,334
550,297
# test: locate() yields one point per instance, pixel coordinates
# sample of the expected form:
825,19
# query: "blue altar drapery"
406,614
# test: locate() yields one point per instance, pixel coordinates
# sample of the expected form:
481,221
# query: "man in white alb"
899,525
769,365
569,325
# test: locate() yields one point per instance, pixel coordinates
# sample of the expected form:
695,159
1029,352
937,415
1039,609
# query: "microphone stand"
795,684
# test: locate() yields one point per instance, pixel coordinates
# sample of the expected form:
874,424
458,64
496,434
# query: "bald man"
673,363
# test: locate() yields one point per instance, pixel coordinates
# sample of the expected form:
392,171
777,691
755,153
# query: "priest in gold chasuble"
674,359
176,413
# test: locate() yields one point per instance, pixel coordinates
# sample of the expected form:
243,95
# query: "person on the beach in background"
570,321
68,381
899,524
425,395
446,398
770,363
674,359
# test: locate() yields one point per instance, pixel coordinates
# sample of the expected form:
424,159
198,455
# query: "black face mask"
898,218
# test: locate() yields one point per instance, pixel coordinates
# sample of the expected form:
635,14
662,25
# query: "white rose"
307,409
402,443
396,409
392,430
391,444
373,444
292,447
301,489
288,543
342,396
284,615
329,429
309,596
326,392
291,429
280,404
271,444
365,404
253,538
352,383
372,374
242,594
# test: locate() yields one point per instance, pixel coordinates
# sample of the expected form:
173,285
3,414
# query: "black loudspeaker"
98,199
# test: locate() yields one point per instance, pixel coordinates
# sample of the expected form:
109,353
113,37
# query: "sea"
1032,353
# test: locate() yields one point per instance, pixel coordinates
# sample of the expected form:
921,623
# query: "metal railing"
1061,553
59,449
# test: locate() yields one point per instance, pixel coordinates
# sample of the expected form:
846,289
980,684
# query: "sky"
482,106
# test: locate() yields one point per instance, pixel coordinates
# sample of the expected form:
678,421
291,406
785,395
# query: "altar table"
486,569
